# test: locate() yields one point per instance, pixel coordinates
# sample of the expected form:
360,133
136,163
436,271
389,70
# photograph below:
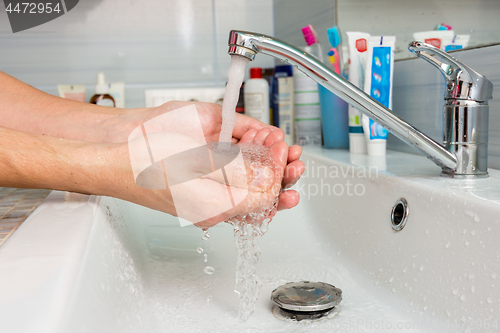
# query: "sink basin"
98,264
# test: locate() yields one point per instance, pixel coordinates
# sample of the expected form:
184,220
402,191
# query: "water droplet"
265,225
462,298
427,231
489,300
206,235
447,245
199,250
473,232
473,289
467,243
455,291
205,257
391,280
471,276
421,268
394,290
209,298
476,218
209,270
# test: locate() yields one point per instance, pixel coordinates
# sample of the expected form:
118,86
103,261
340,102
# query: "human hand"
246,130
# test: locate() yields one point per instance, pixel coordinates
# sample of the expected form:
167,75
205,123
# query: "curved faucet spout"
248,44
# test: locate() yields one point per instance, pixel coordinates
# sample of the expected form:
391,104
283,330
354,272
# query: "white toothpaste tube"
358,44
437,38
457,43
378,84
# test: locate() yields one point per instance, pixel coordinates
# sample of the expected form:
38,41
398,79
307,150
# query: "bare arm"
27,109
34,161
50,142
29,160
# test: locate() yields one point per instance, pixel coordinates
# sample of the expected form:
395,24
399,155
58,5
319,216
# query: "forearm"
27,109
33,161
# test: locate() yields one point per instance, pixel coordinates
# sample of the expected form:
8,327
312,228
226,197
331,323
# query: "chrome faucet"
465,150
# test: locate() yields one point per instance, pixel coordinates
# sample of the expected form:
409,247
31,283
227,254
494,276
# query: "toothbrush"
336,42
311,38
334,57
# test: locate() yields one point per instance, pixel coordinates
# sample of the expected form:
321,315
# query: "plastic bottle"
283,80
307,111
102,96
256,96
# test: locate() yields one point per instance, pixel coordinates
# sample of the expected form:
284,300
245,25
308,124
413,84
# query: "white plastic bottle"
102,96
307,111
256,96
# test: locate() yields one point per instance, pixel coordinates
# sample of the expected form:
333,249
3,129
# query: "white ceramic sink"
85,264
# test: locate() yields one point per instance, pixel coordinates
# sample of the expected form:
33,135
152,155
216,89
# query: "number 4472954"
33,8
479,324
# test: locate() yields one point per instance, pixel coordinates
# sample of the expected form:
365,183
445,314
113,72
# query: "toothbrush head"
334,36
310,35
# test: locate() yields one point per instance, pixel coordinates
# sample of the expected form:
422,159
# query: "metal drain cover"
306,296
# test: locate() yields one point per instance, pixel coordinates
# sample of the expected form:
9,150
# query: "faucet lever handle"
462,82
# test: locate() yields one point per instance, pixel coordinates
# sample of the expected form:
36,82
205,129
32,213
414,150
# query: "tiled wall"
291,15
147,44
419,91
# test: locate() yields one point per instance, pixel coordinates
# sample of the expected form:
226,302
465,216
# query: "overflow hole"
399,214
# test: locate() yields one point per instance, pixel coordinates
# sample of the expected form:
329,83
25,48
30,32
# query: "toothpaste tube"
358,42
437,38
378,84
457,43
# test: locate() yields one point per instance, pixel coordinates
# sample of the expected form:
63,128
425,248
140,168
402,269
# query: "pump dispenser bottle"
102,96
256,96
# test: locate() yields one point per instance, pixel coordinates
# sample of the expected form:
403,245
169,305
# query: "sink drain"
399,214
306,300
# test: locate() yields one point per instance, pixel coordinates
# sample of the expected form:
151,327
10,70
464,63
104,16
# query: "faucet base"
464,176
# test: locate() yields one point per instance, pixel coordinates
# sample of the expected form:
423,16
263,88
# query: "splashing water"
247,229
205,236
208,269
235,79
249,226
247,284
